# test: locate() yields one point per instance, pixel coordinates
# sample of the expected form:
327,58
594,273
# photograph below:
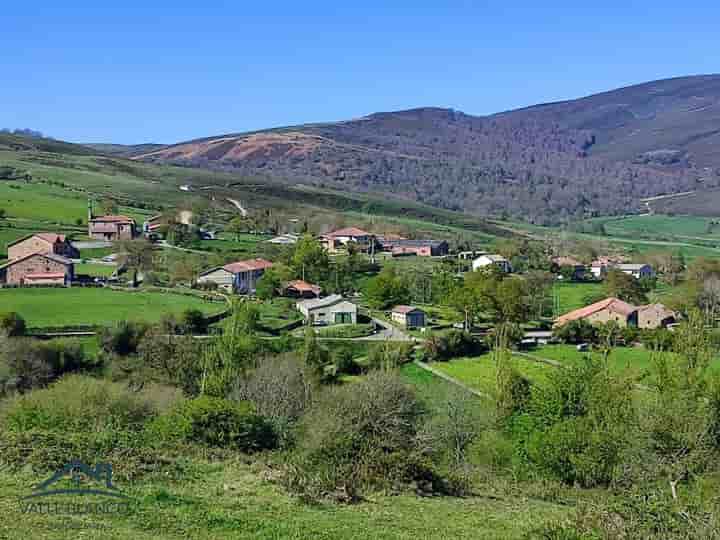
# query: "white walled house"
484,261
333,309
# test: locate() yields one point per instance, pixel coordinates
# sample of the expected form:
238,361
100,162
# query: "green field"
480,372
48,307
42,202
576,295
95,269
658,224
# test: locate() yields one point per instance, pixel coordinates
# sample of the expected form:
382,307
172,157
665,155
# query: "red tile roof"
348,231
48,237
612,304
247,266
303,286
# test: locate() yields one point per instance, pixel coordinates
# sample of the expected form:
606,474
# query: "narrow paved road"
239,206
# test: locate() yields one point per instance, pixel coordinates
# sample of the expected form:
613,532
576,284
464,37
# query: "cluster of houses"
599,268
394,244
46,258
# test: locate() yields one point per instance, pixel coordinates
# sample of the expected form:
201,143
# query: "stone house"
57,244
333,309
421,248
38,269
408,316
112,228
655,316
604,311
240,277
336,240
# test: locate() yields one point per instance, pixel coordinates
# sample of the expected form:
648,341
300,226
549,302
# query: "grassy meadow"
49,307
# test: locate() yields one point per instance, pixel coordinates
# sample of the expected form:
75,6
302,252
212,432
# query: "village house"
578,268
470,255
638,271
498,261
421,248
240,277
285,239
57,244
600,266
333,309
335,240
38,269
610,309
655,316
301,289
408,316
112,228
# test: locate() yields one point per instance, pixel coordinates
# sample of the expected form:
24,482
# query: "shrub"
32,364
123,338
578,331
78,403
360,437
453,344
215,422
578,425
280,389
12,324
193,322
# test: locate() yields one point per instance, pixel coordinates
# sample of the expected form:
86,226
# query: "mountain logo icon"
86,480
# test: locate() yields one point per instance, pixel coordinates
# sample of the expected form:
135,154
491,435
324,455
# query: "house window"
343,318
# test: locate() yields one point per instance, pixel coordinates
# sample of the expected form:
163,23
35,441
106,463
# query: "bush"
453,344
359,437
78,403
31,364
217,423
123,338
12,324
193,322
578,331
280,389
578,425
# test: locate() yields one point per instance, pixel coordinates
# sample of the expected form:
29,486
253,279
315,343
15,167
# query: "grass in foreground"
230,500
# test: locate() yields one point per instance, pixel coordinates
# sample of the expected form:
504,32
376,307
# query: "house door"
343,318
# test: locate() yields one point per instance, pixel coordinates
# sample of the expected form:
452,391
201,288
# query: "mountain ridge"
547,163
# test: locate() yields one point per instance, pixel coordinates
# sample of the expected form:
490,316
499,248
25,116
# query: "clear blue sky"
165,72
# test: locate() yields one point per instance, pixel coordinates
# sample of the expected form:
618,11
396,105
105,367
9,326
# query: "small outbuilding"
408,316
333,309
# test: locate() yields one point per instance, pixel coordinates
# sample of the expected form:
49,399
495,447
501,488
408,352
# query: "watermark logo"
78,479
79,474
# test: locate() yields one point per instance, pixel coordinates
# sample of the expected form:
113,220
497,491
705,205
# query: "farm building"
421,248
655,316
112,228
57,244
500,262
301,289
578,268
334,240
610,309
38,269
240,276
285,239
638,271
408,316
600,266
333,309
